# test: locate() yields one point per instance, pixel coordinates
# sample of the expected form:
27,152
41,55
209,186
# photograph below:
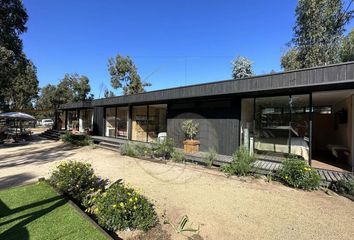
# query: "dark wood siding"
98,121
218,123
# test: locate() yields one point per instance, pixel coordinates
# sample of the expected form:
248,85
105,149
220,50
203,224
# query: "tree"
108,94
74,88
318,34
48,97
124,75
24,87
347,51
18,80
242,67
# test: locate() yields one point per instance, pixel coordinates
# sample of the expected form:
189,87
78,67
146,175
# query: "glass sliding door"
122,122
139,123
157,121
281,126
110,122
300,125
73,120
86,120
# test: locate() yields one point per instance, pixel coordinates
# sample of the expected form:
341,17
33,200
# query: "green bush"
121,208
178,156
241,163
163,148
75,179
210,157
142,150
297,173
128,149
78,140
343,187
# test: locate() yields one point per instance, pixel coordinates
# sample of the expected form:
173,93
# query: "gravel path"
225,208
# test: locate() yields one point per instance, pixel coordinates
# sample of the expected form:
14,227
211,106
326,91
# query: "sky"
172,42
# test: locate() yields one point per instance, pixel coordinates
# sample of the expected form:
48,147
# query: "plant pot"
191,146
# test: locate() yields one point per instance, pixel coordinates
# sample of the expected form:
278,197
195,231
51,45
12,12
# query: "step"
107,147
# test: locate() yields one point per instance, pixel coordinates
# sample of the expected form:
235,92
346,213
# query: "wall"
218,123
98,121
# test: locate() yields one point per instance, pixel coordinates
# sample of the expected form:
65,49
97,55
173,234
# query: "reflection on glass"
86,118
73,120
157,121
110,122
122,121
139,123
61,120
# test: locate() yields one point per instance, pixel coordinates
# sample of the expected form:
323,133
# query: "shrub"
121,208
142,149
163,148
241,163
210,157
190,129
75,179
178,156
297,173
128,149
343,187
78,140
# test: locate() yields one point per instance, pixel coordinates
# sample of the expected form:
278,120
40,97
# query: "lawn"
35,211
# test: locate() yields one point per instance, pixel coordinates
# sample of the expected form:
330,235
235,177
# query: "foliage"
318,34
182,226
242,67
108,93
128,149
162,148
210,157
347,51
78,140
74,178
190,129
297,173
124,75
46,214
178,156
121,208
18,79
142,150
343,187
242,163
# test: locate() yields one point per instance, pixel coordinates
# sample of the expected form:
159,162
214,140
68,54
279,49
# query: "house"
307,113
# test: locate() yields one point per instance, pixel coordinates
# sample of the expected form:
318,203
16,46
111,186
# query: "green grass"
36,211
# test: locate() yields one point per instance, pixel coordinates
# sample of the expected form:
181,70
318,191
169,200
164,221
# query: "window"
139,123
73,120
122,122
110,122
86,118
157,121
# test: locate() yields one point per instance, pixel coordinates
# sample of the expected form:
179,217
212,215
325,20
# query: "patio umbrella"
17,116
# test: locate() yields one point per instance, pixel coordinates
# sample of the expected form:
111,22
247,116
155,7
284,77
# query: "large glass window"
73,120
149,122
157,121
281,126
86,120
61,120
110,122
122,122
139,123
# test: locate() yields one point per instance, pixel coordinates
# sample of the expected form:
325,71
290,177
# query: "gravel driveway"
225,208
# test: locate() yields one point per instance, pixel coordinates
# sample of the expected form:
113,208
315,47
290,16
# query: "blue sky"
173,42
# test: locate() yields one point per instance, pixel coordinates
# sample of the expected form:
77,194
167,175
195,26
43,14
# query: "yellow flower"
121,204
136,199
129,193
104,194
114,206
130,199
134,207
286,177
96,210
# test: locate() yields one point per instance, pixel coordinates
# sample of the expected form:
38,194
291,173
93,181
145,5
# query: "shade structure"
17,116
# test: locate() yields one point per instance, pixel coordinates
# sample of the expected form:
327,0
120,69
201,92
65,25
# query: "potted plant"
190,130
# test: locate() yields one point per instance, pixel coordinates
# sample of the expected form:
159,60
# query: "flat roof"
307,79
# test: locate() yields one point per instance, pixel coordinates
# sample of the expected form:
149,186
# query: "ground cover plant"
36,211
75,179
121,208
242,163
343,187
297,173
210,157
76,139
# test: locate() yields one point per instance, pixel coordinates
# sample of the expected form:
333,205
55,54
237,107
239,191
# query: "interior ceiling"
330,97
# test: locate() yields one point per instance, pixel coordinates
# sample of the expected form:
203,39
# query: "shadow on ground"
15,180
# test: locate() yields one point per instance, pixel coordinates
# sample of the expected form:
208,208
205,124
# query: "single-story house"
307,113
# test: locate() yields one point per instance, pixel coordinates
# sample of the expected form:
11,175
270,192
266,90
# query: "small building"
308,113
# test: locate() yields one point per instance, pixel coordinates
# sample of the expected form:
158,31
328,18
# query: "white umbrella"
17,116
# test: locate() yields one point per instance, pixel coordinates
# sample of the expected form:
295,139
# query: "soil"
223,208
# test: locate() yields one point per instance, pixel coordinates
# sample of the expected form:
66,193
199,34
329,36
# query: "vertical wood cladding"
218,123
98,121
